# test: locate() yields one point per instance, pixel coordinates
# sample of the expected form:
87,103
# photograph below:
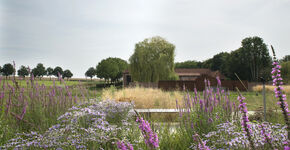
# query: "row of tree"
39,71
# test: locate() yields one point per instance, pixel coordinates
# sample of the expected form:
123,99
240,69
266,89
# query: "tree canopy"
49,71
91,72
8,69
23,71
67,74
236,63
259,61
285,58
153,60
285,71
57,71
39,70
188,64
250,61
111,68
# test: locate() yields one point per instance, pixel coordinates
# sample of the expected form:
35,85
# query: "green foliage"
250,61
258,59
188,64
219,62
5,131
39,71
285,59
180,139
49,71
57,71
67,74
91,72
111,68
8,69
207,63
153,60
236,64
23,71
285,71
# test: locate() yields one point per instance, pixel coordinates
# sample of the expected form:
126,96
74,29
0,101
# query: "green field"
48,82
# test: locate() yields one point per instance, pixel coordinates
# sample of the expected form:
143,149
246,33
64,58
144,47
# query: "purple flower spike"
245,120
218,81
151,138
278,82
124,146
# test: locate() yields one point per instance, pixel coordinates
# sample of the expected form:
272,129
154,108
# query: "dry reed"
144,97
270,88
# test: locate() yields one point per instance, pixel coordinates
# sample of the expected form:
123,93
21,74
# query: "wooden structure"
200,84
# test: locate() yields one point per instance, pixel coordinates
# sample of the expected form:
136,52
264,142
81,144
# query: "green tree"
91,72
219,62
67,74
285,59
39,70
7,69
0,70
285,71
49,72
152,60
111,69
57,72
207,63
257,54
23,71
122,66
236,63
188,64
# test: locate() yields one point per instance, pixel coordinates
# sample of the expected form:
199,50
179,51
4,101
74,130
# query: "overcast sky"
77,34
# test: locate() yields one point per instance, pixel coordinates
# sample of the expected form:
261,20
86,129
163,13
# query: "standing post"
264,97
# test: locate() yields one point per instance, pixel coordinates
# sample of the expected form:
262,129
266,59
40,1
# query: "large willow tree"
153,60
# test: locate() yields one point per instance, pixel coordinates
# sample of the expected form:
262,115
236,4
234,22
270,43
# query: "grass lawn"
255,102
48,82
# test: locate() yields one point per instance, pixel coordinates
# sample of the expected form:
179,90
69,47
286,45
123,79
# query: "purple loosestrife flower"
219,81
245,120
124,146
151,138
278,82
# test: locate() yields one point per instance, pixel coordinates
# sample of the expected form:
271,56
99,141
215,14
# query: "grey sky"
77,34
